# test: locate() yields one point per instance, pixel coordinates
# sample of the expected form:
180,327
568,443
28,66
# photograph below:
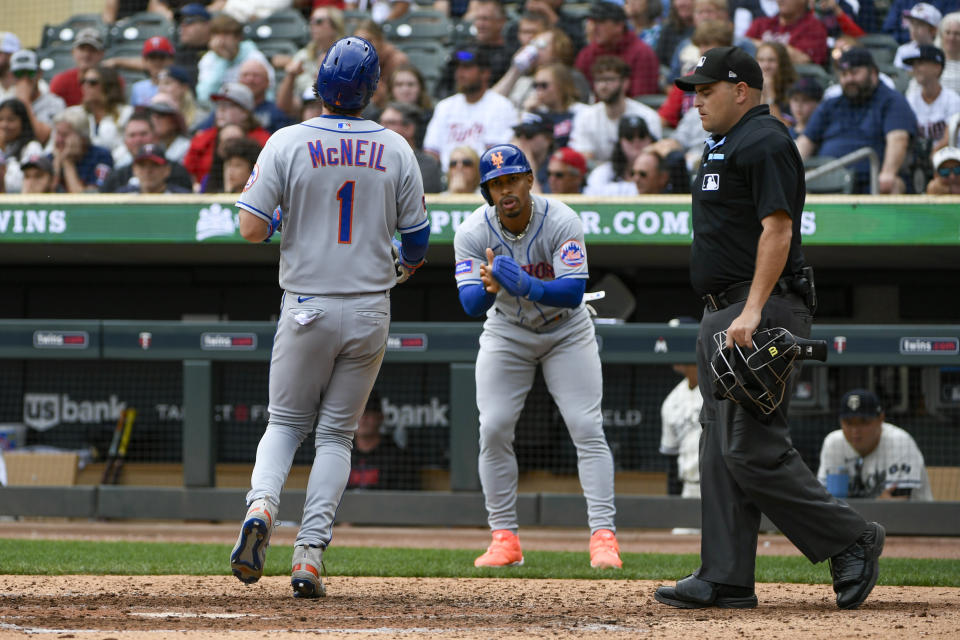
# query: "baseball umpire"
522,261
345,186
747,264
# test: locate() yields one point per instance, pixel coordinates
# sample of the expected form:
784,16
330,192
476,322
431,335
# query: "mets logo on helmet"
572,254
497,159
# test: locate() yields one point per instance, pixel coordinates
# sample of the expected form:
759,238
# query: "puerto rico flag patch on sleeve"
462,267
572,254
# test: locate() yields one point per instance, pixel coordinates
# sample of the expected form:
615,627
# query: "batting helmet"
501,160
756,377
349,73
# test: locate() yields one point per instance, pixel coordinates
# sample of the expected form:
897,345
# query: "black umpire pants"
748,468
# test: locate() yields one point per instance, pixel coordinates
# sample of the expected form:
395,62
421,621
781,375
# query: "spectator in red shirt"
234,105
612,38
795,27
88,51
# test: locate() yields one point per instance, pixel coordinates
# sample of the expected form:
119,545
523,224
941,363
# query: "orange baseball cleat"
604,550
504,551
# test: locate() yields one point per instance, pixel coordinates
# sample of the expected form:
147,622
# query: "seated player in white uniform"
881,460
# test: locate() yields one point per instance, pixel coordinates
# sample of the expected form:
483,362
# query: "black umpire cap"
723,64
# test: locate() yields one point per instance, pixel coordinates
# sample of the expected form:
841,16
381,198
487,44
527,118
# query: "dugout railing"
888,356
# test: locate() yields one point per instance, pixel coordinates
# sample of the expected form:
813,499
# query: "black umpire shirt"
745,175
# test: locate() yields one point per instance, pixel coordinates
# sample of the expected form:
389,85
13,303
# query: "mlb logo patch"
462,267
711,182
344,125
572,254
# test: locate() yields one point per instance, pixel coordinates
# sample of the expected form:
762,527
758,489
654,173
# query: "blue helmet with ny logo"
501,160
349,74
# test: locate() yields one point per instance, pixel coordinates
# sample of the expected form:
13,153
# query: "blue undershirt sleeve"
475,299
414,245
565,292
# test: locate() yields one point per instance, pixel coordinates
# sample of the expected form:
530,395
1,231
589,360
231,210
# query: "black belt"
738,293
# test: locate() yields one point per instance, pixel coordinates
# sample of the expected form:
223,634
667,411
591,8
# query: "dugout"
107,300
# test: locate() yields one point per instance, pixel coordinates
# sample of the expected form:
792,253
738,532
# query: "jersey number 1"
345,198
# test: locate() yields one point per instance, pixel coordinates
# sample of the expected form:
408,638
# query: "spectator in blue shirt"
868,113
78,165
894,23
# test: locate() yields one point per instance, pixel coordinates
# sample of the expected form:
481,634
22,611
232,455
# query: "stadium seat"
287,24
352,18
839,180
652,100
130,49
419,25
429,57
814,71
141,26
881,45
66,31
463,31
55,59
275,46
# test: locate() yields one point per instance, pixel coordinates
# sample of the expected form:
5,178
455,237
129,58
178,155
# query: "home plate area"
125,607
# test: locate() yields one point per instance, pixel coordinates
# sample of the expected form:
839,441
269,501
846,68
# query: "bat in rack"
119,446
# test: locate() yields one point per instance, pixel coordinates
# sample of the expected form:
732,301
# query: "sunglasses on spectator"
946,171
24,73
541,85
559,174
90,81
464,162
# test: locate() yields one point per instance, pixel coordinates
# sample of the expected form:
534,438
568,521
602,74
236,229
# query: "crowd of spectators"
585,89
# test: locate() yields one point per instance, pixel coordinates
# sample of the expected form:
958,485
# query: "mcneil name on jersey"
351,152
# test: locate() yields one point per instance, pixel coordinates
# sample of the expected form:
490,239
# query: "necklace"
516,236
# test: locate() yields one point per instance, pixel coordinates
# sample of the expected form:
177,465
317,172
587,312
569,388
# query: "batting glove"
401,267
515,280
276,223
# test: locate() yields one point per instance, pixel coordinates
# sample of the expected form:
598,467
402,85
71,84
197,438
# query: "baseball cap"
631,124
24,60
806,86
607,11
860,403
152,152
157,44
90,37
856,57
39,161
237,93
925,13
944,154
9,42
926,52
723,64
568,156
178,73
194,12
532,124
471,56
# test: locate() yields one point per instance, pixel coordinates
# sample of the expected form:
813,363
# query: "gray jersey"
337,230
551,247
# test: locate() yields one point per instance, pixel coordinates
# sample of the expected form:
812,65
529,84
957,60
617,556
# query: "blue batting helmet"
349,73
501,160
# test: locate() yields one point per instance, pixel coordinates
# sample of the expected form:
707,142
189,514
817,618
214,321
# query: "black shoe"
693,593
855,569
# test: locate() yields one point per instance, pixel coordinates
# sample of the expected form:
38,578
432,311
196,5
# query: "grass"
61,557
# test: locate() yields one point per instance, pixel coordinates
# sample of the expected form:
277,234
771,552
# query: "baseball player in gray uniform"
345,186
522,261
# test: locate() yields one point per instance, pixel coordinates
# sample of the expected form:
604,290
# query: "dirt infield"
128,608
